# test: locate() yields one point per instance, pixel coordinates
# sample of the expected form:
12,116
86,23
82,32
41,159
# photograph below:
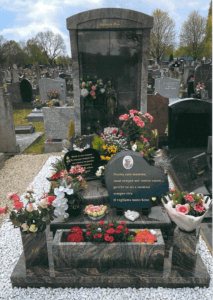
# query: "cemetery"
125,201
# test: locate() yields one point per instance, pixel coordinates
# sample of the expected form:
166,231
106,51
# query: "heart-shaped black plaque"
88,159
131,182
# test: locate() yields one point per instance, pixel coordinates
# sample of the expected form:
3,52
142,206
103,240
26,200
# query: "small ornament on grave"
131,215
187,210
95,212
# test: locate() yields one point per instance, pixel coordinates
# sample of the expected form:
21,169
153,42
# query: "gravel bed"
11,249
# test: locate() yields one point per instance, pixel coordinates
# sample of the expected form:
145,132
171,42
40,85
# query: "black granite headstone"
198,165
26,90
88,159
132,182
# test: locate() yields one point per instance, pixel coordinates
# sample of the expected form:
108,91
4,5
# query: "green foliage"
98,143
58,166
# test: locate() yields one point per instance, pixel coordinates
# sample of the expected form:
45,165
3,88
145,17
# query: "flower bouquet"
53,103
95,212
91,89
52,94
145,236
186,210
66,186
199,88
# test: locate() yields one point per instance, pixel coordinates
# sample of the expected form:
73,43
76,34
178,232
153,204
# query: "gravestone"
88,159
15,93
132,182
47,84
168,87
15,76
198,165
190,123
7,130
157,106
204,95
26,90
203,74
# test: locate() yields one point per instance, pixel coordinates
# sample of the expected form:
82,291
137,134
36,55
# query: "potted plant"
186,210
32,220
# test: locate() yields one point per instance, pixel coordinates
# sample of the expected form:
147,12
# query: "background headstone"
131,182
203,74
15,76
167,87
14,91
26,90
47,84
7,128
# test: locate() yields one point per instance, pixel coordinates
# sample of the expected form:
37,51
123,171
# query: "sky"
23,19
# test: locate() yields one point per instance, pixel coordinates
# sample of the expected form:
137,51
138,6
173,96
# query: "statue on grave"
111,102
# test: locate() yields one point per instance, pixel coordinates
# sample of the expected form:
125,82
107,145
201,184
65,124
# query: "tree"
13,54
162,34
208,37
36,54
52,44
2,57
192,34
63,60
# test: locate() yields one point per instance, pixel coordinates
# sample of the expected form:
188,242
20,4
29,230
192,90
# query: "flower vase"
35,249
74,205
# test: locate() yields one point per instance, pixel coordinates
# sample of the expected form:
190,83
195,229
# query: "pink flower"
121,133
141,136
93,87
124,117
92,93
189,197
145,141
198,208
18,205
141,152
172,190
15,198
148,116
136,119
29,207
10,195
132,111
69,178
141,124
80,178
184,209
3,210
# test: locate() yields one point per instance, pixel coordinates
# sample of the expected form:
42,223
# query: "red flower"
120,227
198,208
189,197
141,124
172,190
56,176
123,223
110,231
88,233
92,93
50,199
15,198
75,237
111,239
77,230
117,231
99,235
145,141
89,225
106,237
102,135
136,119
126,230
121,133
111,224
101,223
18,205
94,236
124,117
3,210
114,131
184,209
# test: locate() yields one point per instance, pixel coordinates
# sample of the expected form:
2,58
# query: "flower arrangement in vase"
95,212
187,210
52,94
200,87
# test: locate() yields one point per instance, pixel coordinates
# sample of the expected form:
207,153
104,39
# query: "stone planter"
35,249
107,255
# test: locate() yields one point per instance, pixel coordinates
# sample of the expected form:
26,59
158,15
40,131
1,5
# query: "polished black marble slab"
172,276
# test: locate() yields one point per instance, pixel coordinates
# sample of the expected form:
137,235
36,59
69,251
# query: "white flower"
83,84
102,90
66,216
84,93
43,203
98,173
30,189
29,207
25,227
99,229
134,147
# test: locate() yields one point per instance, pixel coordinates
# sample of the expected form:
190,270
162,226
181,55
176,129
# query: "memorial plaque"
88,159
167,87
132,182
198,165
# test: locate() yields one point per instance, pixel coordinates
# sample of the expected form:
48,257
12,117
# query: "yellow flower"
109,149
108,158
103,157
104,147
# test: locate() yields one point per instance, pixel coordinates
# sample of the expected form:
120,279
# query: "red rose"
101,223
99,235
88,233
123,223
77,230
94,236
110,231
18,205
114,131
121,133
126,230
50,199
106,237
3,210
56,176
120,227
111,239
75,238
15,198
117,231
111,224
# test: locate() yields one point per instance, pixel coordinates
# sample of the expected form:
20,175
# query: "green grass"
20,118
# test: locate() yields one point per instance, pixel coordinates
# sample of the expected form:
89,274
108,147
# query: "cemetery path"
18,172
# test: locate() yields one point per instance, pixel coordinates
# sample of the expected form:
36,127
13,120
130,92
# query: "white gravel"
11,249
